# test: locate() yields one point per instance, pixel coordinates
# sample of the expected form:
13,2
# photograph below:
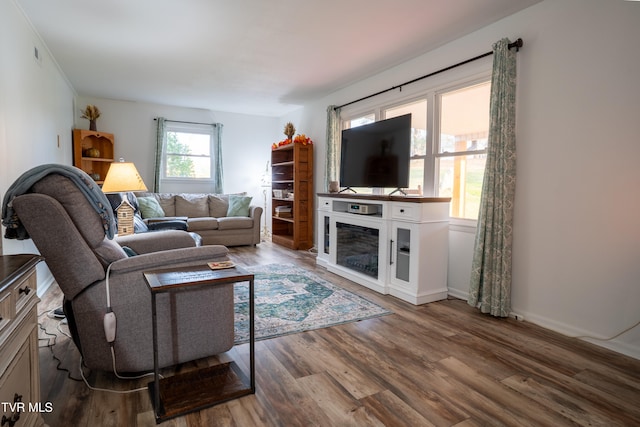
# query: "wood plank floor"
439,364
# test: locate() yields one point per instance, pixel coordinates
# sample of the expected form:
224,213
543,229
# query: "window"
418,110
462,147
359,121
450,127
188,152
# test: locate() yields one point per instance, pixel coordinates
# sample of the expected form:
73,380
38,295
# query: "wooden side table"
182,393
19,364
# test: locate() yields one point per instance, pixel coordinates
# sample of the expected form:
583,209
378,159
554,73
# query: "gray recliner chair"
70,235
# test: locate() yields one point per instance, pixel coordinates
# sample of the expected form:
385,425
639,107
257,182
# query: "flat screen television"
377,154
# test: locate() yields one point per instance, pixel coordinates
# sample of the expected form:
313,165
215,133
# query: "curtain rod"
190,123
517,44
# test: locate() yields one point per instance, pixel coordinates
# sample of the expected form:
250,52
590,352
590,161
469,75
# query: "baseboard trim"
571,331
457,293
564,329
44,286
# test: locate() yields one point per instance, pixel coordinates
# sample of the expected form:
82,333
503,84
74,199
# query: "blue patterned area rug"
289,299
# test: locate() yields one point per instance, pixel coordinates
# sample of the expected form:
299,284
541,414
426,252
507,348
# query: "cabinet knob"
401,210
24,290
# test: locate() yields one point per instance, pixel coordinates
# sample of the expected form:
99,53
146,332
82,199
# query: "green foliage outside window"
178,165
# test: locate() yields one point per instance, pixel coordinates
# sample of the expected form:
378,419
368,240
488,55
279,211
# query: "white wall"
576,251
36,112
246,139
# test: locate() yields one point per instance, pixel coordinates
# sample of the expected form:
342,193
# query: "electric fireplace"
357,248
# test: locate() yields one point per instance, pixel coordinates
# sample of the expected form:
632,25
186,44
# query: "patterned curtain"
160,128
217,157
333,144
490,288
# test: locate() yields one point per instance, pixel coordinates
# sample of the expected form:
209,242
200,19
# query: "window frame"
432,92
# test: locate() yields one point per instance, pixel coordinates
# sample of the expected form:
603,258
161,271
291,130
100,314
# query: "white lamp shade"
123,177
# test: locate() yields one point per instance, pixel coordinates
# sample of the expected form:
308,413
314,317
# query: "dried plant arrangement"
289,130
91,113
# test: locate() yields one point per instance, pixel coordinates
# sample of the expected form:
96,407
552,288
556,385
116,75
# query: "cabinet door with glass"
324,236
403,259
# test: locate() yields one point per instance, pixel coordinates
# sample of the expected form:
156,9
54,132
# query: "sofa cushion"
167,202
234,223
203,223
239,205
192,205
218,205
150,207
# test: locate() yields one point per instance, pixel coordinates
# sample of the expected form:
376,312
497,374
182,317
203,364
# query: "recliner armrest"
168,259
142,243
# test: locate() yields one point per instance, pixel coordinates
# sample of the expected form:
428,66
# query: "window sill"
463,225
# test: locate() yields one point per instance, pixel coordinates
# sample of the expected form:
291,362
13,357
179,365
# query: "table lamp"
123,177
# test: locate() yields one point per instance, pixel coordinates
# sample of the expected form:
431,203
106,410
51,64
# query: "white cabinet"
418,262
323,221
399,248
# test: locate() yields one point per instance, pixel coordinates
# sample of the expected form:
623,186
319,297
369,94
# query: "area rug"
289,299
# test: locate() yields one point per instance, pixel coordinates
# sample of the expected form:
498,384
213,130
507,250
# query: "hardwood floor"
439,364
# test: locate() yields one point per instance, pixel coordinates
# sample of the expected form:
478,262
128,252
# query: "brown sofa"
206,215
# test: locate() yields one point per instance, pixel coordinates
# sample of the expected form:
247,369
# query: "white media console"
392,244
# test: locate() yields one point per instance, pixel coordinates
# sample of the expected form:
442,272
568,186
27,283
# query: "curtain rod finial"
517,44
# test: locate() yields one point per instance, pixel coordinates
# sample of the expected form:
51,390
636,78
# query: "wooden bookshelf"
101,143
292,188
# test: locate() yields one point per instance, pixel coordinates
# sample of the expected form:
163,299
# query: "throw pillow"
239,205
150,208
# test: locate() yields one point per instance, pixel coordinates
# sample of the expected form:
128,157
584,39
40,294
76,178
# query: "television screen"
377,154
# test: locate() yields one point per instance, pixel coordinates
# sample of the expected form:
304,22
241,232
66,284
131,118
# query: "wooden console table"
183,393
19,364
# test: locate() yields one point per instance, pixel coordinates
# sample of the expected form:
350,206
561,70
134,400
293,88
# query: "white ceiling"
264,57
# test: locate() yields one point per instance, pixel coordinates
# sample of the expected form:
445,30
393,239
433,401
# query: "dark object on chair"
70,234
140,226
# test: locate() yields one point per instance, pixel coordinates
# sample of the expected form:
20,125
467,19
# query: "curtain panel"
490,287
333,145
160,145
218,174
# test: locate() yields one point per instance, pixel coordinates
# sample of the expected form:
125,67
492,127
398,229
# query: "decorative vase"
92,152
92,125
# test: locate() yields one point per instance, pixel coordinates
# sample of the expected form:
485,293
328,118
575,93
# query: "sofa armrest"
255,212
143,243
